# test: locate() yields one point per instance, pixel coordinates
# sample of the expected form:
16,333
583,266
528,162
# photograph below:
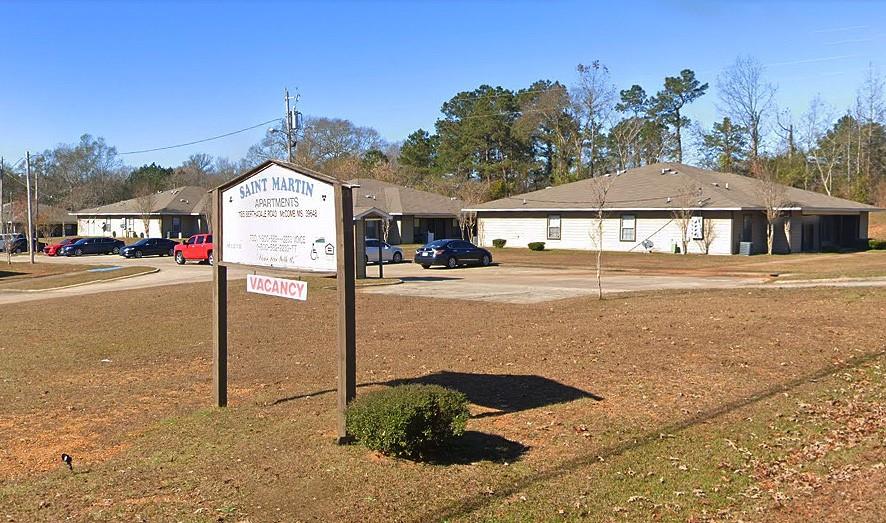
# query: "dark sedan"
93,246
149,247
17,243
452,253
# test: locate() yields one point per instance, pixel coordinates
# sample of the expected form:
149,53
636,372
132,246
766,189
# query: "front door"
747,228
808,242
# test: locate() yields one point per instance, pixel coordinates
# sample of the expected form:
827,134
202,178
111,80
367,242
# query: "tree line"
512,141
491,142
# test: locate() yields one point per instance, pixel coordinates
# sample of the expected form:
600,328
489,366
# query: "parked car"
452,253
93,246
55,248
17,243
389,253
149,247
197,247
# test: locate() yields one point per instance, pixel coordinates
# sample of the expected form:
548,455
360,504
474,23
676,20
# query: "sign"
282,287
696,227
280,218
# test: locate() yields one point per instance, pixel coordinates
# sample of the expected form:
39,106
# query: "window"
628,228
200,240
553,226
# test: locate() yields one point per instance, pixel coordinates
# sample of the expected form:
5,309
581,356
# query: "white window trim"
559,227
622,228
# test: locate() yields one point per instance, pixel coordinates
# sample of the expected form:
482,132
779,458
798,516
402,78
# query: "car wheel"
397,257
78,252
171,252
451,262
209,258
139,254
179,258
116,250
17,250
423,266
485,260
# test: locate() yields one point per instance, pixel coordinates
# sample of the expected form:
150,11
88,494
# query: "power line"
200,141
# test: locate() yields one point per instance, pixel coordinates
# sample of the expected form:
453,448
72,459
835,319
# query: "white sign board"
696,227
280,218
292,289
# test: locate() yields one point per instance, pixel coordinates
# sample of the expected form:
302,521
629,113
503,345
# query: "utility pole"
288,124
2,221
30,235
292,125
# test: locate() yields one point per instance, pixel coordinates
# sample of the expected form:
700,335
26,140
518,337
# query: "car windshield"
80,242
438,244
141,243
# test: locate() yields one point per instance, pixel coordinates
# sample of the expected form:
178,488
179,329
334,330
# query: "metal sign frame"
345,274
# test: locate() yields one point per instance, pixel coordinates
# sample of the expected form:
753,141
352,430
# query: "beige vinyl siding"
578,231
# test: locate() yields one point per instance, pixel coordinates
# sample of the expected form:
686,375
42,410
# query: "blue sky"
150,74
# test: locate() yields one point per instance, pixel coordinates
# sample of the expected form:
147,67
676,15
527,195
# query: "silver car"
389,253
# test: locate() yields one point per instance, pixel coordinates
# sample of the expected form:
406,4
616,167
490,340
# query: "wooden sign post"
347,331
284,217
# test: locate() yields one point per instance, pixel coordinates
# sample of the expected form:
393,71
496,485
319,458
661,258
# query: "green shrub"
536,246
408,420
499,243
879,245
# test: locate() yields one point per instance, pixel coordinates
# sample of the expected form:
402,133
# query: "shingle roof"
45,214
647,188
396,199
183,200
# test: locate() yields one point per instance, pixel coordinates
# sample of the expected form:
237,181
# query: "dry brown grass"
553,386
65,279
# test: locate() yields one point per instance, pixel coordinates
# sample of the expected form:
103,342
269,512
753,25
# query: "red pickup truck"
197,247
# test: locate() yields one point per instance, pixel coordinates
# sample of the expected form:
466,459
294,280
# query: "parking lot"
509,284
503,283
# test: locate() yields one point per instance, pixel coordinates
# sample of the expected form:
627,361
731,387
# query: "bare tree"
870,111
471,193
146,199
690,197
747,98
594,97
774,197
600,187
709,234
385,229
820,153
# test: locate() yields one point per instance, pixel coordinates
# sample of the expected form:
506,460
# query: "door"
372,250
465,251
198,250
151,247
747,228
387,254
188,249
808,241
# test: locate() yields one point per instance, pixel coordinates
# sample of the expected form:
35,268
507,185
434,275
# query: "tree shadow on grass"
7,274
473,447
505,393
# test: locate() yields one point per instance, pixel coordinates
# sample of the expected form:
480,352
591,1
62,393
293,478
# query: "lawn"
19,270
760,404
793,266
83,276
